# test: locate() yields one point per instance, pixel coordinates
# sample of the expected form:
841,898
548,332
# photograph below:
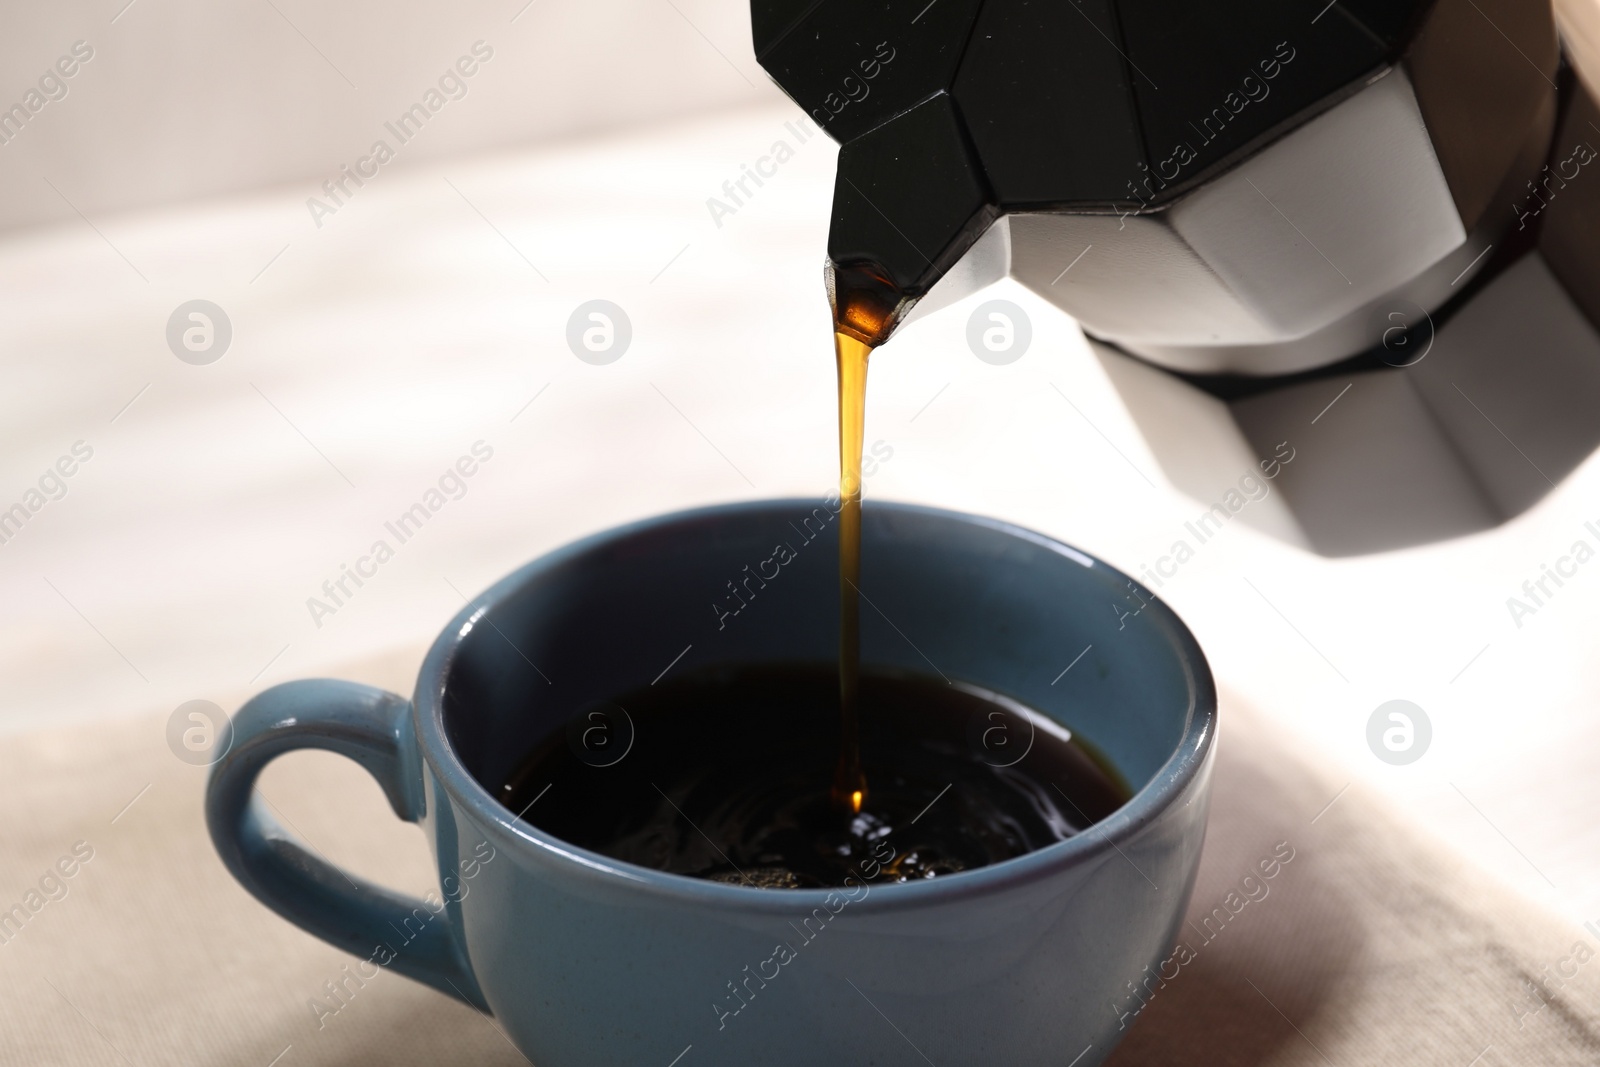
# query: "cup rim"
1148,803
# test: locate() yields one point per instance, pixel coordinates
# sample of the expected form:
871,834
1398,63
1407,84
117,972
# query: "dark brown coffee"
727,774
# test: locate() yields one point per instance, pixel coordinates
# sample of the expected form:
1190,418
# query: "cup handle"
372,727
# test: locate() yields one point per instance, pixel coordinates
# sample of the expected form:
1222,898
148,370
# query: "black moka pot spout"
908,203
911,197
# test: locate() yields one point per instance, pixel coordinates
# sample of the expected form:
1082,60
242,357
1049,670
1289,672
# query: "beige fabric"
1369,947
1373,949
1580,28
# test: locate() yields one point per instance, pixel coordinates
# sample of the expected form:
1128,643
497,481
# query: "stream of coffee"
863,308
849,783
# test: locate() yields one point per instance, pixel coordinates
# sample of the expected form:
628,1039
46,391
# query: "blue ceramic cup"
586,961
